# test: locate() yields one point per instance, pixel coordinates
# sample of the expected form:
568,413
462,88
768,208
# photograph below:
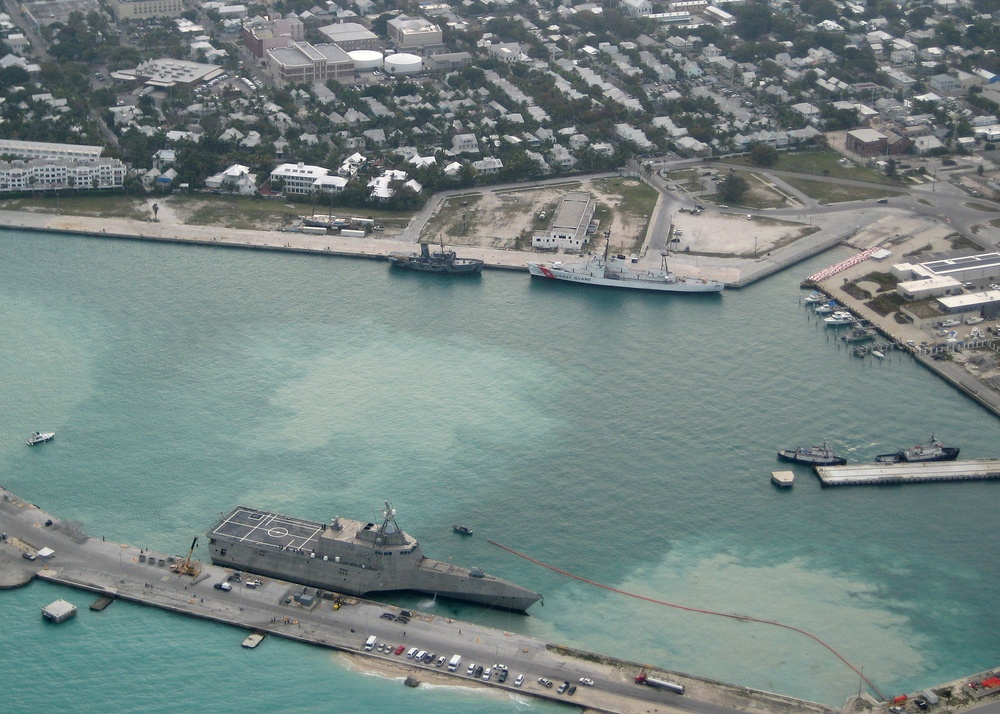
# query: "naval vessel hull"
352,558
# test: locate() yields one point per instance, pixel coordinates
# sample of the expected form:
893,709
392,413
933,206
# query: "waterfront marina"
544,417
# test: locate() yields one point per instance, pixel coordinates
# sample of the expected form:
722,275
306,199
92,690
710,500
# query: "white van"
369,643
454,662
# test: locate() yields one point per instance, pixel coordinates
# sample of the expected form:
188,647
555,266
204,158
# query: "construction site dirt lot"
507,218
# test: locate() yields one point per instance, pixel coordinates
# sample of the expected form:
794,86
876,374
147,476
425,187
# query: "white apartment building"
55,173
46,150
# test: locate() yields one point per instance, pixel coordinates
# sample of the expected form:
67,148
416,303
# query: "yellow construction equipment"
187,567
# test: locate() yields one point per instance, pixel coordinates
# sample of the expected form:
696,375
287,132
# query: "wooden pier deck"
882,474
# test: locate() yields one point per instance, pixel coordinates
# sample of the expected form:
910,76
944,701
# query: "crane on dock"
187,567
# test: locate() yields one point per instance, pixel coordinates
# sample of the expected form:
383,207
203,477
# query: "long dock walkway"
278,608
885,474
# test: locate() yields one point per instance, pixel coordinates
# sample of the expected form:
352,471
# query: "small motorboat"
839,317
40,437
878,354
464,530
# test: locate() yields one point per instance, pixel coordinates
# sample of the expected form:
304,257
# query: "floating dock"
101,603
784,479
253,640
883,474
58,611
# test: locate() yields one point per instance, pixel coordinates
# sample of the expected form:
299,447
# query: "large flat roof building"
306,63
170,72
350,36
979,269
145,9
569,226
408,33
280,33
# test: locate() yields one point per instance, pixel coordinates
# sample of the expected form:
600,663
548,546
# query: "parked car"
223,586
545,682
587,680
399,650
519,681
563,687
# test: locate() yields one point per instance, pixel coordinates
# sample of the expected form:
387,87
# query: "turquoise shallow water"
627,438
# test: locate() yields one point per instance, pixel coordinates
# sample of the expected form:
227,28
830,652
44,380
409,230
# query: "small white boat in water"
814,297
840,317
40,437
826,309
878,354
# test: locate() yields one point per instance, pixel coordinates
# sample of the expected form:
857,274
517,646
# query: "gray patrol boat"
351,557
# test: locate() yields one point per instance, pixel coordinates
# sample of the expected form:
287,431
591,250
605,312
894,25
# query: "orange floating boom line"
687,608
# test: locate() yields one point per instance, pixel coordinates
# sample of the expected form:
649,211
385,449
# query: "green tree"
732,188
763,155
753,20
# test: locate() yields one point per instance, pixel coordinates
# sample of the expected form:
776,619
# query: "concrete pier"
276,608
884,474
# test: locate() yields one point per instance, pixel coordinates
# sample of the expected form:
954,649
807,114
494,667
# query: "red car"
399,650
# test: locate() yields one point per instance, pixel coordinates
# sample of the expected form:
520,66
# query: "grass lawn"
837,193
111,206
233,212
819,162
636,197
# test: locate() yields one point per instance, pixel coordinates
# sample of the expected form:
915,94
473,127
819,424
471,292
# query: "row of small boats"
833,312
824,455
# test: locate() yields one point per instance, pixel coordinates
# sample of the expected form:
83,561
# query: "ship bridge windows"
222,552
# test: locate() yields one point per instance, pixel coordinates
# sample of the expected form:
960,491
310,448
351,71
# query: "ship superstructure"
351,557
